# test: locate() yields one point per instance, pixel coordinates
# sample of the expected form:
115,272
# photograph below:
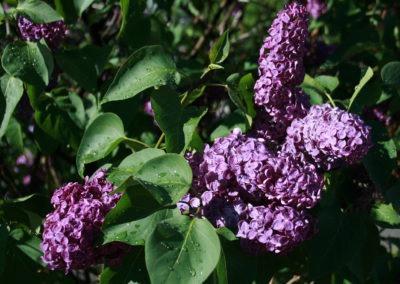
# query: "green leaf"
330,83
147,67
381,158
226,233
45,143
131,164
31,248
14,135
53,118
221,269
84,65
38,11
178,124
167,177
393,195
385,215
168,114
220,50
182,250
390,73
99,139
133,268
315,96
314,88
191,117
134,218
12,89
32,62
340,237
364,80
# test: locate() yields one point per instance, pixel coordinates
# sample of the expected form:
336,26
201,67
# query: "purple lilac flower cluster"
237,176
53,33
281,70
316,8
261,185
72,228
328,137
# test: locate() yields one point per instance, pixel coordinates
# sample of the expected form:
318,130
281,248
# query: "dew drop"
192,272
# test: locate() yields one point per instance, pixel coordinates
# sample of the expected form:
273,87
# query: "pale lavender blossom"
72,228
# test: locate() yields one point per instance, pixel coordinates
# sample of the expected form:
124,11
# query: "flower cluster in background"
72,228
316,7
53,33
261,185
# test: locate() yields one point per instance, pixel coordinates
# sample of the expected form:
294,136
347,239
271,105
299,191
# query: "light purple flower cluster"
262,187
328,137
316,7
72,228
281,70
238,172
53,33
274,228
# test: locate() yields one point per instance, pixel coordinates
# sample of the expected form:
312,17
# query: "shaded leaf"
134,218
390,73
84,65
147,67
381,159
12,90
133,268
340,237
55,120
14,135
220,50
364,80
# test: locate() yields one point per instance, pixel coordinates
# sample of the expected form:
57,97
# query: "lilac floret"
329,137
53,33
291,182
72,228
274,228
316,7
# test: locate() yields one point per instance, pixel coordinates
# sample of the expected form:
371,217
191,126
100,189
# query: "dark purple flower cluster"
328,137
316,8
72,228
53,33
281,70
